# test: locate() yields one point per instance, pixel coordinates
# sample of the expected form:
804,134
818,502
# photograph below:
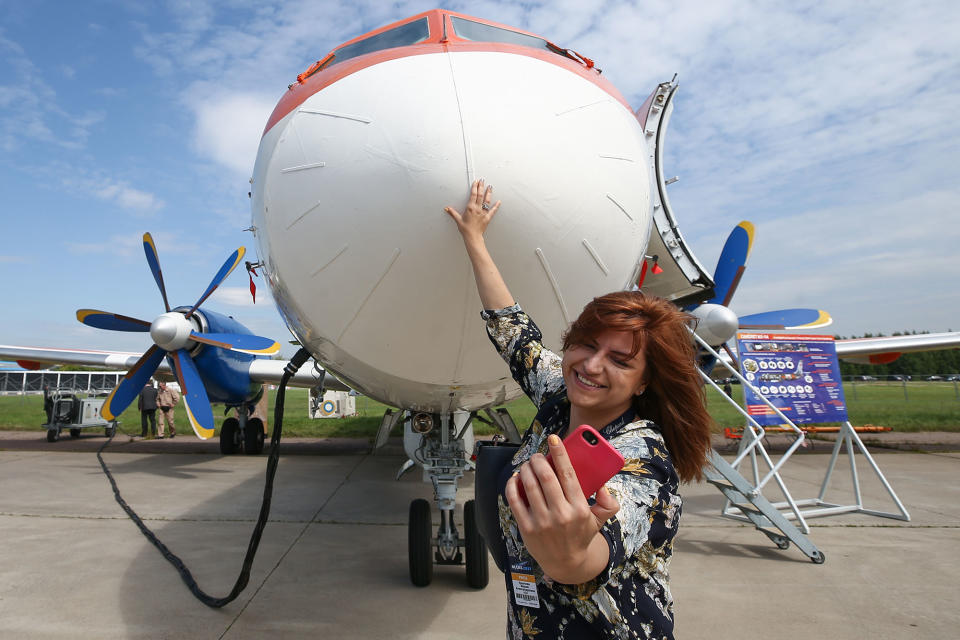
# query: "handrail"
745,449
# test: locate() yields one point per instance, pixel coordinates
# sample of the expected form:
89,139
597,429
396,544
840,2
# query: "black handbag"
493,458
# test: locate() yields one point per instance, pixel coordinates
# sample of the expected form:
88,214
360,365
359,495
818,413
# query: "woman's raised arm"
472,223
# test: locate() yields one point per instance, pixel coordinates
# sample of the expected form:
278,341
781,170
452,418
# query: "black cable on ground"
273,459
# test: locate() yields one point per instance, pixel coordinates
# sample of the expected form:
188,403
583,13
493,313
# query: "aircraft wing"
261,370
887,349
881,350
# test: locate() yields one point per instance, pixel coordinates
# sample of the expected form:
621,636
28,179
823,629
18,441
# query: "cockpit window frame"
518,38
356,49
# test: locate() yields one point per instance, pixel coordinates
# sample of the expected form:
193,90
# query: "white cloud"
240,296
128,198
29,110
125,245
228,127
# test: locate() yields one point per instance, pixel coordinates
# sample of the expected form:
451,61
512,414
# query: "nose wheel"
424,549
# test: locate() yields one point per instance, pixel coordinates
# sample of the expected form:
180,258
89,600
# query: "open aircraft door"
682,279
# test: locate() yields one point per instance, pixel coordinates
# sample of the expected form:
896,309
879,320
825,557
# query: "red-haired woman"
579,568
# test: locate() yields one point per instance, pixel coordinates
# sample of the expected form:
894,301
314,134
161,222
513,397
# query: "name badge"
524,584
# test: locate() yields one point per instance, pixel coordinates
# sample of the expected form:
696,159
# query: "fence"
26,382
903,381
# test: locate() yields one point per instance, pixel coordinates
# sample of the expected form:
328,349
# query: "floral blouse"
631,597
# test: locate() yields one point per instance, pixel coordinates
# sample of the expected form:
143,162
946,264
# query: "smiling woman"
598,568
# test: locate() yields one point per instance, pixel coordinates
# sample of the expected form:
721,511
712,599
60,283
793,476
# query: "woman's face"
601,375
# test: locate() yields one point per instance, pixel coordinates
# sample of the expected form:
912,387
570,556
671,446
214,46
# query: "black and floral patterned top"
631,597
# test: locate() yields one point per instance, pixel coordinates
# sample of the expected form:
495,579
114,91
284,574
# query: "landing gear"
74,433
53,434
253,437
230,436
437,442
242,434
419,543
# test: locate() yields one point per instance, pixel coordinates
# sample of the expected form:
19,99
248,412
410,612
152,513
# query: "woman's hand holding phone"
559,527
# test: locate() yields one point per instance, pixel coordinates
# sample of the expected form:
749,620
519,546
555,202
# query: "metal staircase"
767,518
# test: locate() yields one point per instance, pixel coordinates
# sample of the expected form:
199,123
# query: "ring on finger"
485,206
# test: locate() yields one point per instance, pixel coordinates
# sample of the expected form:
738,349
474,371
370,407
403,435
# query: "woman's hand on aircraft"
560,529
478,212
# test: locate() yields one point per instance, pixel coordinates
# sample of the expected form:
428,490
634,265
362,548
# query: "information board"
798,374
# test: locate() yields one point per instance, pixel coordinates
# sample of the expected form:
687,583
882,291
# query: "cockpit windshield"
402,36
479,32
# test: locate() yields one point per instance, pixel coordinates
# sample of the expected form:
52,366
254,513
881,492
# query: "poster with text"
798,374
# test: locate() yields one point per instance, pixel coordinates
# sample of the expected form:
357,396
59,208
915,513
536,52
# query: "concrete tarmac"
333,559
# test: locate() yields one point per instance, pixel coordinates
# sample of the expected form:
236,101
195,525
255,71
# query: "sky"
833,127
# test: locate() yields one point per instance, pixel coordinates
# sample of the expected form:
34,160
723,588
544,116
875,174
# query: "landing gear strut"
244,433
437,442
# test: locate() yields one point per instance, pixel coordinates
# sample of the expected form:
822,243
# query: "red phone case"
593,458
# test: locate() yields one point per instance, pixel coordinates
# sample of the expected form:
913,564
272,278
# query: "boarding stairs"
743,496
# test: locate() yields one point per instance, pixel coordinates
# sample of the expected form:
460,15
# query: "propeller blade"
732,262
128,389
254,345
194,394
111,321
150,249
787,319
225,270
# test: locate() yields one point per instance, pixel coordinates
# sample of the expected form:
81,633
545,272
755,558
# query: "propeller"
172,332
717,323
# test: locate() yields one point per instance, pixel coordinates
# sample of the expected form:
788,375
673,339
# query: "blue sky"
832,126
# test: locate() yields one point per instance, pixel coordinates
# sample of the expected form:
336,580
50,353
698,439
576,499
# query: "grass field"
926,406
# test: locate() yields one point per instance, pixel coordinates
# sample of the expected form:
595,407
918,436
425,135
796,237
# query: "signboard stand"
802,375
847,438
744,497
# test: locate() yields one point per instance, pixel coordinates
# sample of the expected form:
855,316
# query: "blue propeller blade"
128,389
194,394
150,249
254,345
111,321
225,270
733,260
787,319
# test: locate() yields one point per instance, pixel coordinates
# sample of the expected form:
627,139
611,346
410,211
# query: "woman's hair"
674,397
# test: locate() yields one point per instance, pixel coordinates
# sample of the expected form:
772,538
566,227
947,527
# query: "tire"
253,437
818,558
111,430
229,436
420,543
478,568
74,433
53,435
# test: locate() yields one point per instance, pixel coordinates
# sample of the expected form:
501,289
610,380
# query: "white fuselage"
370,273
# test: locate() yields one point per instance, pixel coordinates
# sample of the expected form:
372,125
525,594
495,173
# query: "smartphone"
593,458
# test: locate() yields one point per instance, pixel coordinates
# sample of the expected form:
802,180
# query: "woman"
579,568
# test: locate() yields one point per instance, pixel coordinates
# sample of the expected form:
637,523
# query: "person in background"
48,403
147,404
167,400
